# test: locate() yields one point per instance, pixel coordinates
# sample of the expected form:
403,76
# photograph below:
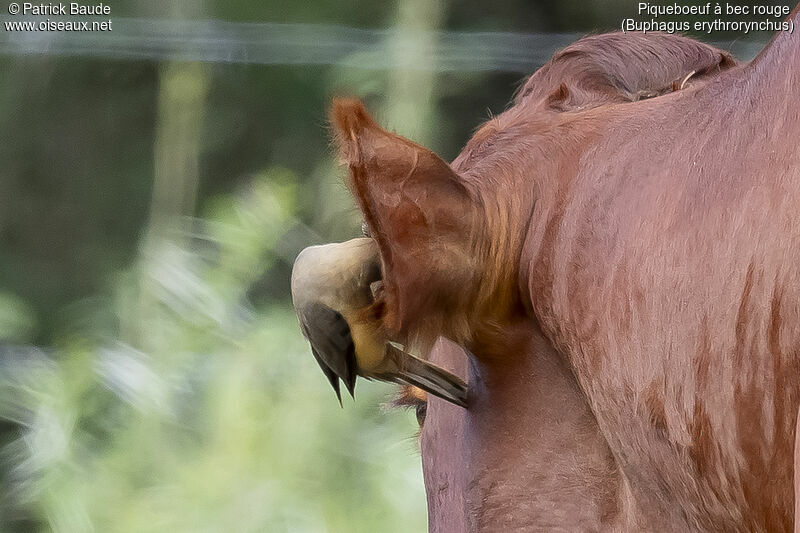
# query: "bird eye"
365,230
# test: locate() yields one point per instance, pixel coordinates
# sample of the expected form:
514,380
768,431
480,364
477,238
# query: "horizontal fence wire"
269,43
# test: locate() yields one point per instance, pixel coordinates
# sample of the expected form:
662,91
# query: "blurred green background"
152,374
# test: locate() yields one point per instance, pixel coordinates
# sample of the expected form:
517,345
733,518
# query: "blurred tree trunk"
182,93
178,145
409,106
411,90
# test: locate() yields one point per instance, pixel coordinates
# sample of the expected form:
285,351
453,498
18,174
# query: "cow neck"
777,67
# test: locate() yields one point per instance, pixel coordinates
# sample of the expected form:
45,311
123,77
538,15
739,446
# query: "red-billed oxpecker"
333,292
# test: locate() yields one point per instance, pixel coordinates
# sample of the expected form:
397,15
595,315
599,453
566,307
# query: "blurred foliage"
152,374
217,422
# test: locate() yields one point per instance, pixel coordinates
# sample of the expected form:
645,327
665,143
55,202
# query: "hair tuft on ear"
349,116
350,119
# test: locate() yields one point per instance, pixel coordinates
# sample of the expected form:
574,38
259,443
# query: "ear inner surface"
420,212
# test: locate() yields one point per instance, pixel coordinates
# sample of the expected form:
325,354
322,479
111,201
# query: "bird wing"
331,344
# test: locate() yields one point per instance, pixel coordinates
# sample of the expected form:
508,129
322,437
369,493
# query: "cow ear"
419,210
557,100
404,190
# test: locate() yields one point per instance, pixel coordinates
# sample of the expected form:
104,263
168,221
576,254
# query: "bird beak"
426,376
331,286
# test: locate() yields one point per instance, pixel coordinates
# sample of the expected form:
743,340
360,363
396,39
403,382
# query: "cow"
613,266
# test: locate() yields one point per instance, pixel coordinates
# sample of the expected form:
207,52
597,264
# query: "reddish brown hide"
625,274
797,477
